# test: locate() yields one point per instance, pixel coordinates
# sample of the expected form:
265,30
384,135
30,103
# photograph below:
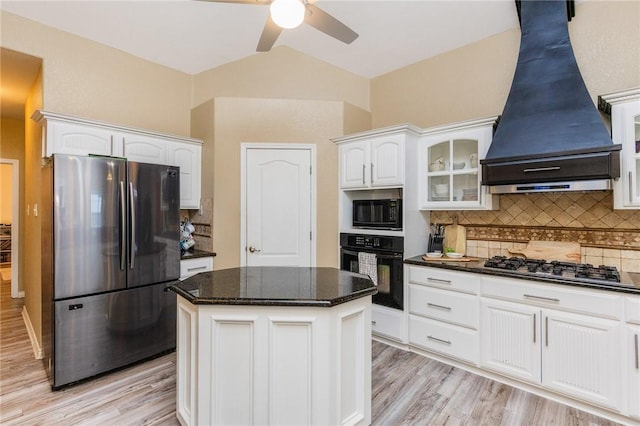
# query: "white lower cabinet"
443,313
189,267
581,357
510,342
565,342
632,339
273,365
534,341
388,323
448,339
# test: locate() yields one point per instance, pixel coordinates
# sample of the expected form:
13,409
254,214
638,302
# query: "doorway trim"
15,224
244,147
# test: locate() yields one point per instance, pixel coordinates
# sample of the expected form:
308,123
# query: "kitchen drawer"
443,278
633,309
189,267
453,307
557,296
448,339
389,323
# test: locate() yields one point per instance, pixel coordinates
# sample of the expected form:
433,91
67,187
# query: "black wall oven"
388,251
377,214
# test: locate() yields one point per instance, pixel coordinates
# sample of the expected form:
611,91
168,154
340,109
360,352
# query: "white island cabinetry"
274,346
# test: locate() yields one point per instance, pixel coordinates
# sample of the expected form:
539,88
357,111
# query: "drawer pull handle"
546,331
197,268
437,280
549,299
541,169
373,322
635,337
448,342
433,305
534,328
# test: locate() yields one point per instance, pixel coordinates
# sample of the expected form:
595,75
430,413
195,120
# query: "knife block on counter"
436,243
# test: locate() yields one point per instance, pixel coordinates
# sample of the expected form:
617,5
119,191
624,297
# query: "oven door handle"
378,255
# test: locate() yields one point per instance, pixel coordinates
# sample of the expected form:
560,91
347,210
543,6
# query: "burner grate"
557,268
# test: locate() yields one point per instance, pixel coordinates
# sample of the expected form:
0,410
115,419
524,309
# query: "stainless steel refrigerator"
111,249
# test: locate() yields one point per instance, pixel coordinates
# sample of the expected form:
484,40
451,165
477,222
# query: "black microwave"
377,214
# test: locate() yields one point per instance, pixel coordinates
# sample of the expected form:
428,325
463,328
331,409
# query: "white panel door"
354,165
580,357
510,339
278,207
387,162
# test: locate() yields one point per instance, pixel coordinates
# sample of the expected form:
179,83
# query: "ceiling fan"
308,13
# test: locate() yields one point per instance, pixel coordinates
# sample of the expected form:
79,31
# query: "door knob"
252,249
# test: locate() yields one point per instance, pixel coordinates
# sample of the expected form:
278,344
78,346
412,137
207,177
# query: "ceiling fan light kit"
287,14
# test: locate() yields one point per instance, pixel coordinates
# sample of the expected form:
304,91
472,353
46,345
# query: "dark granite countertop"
275,286
629,281
192,254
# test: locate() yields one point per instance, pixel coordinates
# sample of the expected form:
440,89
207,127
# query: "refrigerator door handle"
132,236
123,231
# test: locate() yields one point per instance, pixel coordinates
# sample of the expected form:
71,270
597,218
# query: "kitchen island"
274,345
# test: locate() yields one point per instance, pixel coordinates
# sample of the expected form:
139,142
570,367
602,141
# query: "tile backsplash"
606,236
202,220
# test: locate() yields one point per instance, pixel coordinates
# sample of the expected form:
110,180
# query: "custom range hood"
550,136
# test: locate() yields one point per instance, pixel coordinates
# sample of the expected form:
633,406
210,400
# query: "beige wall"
282,73
240,120
32,234
474,81
6,193
87,79
12,147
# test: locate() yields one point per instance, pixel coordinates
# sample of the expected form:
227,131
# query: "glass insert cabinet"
449,166
624,108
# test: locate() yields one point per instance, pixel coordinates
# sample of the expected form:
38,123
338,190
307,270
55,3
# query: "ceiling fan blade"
329,25
269,35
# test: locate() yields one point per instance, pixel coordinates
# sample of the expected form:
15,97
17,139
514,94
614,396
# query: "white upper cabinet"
145,149
448,166
624,108
374,159
79,139
187,156
354,158
77,136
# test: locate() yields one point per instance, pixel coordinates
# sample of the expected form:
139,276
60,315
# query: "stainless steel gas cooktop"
580,272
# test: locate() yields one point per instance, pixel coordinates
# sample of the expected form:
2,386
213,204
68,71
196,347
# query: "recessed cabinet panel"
578,357
354,158
633,368
373,162
187,156
145,149
77,139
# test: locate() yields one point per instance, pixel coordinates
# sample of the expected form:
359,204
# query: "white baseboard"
37,350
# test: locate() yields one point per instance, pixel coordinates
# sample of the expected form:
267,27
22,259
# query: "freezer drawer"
99,333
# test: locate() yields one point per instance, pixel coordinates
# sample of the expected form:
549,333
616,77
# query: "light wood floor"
407,389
